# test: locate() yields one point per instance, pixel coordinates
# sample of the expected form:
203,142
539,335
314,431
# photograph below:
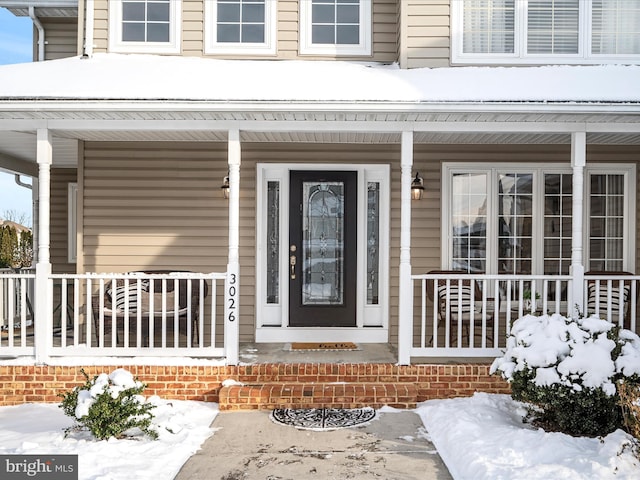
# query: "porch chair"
461,303
599,297
114,303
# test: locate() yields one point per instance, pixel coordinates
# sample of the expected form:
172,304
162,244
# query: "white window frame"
363,48
116,45
212,47
372,320
520,55
72,222
448,169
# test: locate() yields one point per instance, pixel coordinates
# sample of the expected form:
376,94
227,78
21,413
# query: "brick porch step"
318,395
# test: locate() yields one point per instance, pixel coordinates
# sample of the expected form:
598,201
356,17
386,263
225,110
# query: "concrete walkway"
248,445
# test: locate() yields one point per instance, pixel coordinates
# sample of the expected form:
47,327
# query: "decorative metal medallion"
323,418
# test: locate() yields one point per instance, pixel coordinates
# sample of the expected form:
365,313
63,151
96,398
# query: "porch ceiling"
17,127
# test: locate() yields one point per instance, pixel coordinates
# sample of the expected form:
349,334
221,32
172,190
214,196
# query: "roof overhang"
428,102
43,8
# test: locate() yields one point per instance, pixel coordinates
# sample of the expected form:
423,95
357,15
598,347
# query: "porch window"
335,27
545,31
145,26
240,26
529,211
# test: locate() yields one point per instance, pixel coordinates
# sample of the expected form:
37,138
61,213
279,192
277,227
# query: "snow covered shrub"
630,403
109,406
567,371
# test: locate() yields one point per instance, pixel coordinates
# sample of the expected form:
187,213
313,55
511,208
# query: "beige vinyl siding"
425,39
59,212
384,33
61,38
101,26
192,28
159,205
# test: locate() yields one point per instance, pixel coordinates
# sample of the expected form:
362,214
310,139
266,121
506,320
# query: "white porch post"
232,292
43,314
405,296
578,162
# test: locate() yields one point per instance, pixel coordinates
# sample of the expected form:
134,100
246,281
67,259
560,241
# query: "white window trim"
72,222
584,55
372,321
115,32
212,47
448,169
363,48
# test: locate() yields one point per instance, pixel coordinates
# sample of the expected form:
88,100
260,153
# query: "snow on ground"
34,429
484,437
481,437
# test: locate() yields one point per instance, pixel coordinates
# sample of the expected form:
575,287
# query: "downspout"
38,25
34,213
87,51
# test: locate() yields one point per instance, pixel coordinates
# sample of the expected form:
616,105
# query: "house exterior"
517,121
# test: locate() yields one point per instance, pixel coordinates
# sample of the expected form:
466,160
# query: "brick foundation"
29,384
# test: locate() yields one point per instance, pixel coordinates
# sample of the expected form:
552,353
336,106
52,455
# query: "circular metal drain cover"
323,418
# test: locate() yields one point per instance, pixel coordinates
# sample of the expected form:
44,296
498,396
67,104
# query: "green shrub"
567,371
109,406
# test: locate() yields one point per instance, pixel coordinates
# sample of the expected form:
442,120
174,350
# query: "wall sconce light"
225,186
417,187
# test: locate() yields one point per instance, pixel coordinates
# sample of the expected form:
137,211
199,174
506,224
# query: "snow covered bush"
567,370
109,406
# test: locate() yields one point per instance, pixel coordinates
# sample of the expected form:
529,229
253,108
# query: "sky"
15,47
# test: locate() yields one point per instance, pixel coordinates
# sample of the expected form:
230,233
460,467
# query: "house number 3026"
232,292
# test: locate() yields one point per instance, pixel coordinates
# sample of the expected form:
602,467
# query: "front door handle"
292,262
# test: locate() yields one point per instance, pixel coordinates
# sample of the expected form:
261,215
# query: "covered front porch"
145,259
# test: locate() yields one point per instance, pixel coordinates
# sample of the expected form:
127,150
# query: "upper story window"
240,26
145,26
335,27
545,31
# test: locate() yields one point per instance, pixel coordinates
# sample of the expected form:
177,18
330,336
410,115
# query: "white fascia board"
364,107
373,126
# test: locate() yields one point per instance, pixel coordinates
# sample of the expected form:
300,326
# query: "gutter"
41,40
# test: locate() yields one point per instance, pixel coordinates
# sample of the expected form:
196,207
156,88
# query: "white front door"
322,253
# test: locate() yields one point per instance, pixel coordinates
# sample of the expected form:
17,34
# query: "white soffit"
23,146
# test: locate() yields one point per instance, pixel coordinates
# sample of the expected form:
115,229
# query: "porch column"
578,162
232,292
43,313
405,295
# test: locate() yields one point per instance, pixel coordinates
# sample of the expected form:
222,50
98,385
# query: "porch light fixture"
225,186
417,187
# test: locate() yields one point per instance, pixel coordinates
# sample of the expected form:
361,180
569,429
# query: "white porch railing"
117,315
614,297
16,311
463,315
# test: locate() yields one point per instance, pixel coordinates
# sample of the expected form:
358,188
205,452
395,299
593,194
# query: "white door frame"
372,321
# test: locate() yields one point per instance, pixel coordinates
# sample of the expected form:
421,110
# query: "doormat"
324,346
323,419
